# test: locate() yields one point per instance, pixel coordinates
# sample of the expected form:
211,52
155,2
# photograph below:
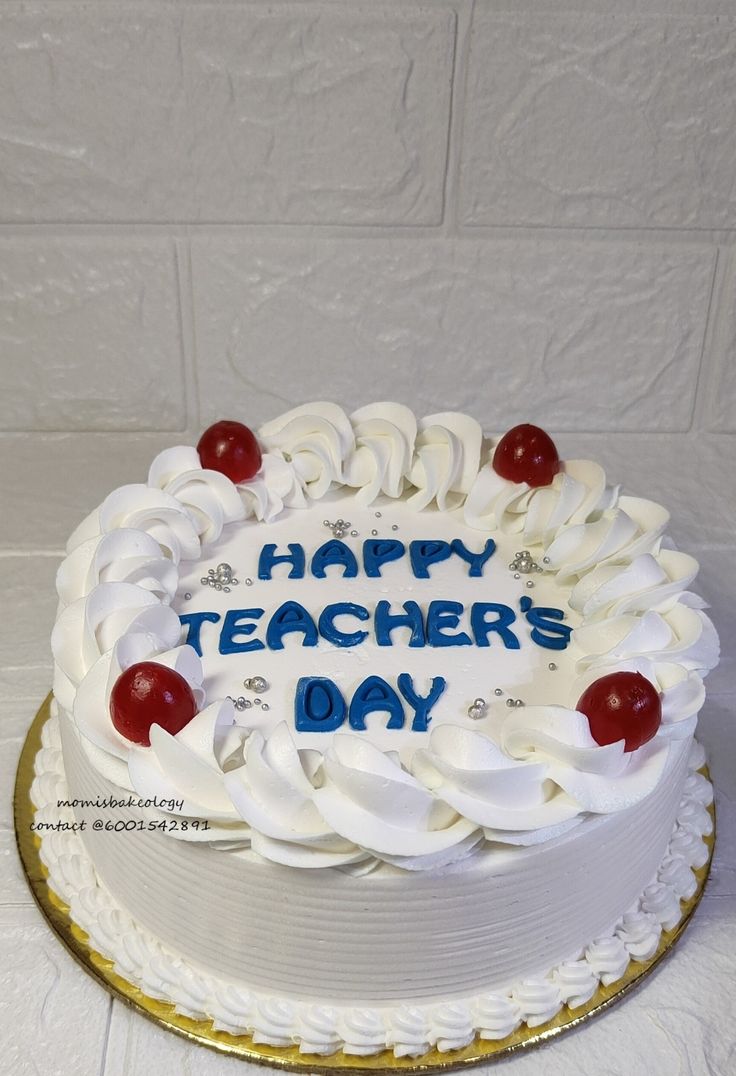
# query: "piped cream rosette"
355,806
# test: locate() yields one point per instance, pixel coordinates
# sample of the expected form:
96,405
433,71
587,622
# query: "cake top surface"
386,639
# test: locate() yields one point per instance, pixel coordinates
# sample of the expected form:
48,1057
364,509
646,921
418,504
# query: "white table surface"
56,1021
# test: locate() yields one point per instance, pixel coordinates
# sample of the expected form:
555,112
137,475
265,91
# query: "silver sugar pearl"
545,560
256,702
516,575
249,582
474,713
353,534
247,704
256,683
326,523
529,583
218,586
374,533
378,515
479,703
265,706
510,702
211,571
552,666
395,527
498,691
512,565
519,702
188,596
226,590
205,581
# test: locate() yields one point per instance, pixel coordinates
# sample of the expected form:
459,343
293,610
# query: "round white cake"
393,817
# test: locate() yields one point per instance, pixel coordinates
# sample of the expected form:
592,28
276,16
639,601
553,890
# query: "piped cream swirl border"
407,1030
463,790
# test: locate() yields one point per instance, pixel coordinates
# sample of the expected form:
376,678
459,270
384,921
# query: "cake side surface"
481,924
409,1028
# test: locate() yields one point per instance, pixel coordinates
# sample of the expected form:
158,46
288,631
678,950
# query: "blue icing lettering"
476,561
425,552
193,623
421,704
384,622
318,705
236,624
504,616
333,634
380,551
290,617
269,558
441,617
334,553
546,629
373,695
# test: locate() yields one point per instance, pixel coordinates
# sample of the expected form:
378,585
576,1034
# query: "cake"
372,733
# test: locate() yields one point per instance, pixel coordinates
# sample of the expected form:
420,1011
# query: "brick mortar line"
716,349
458,95
187,365
131,230
187,306
49,554
707,368
155,435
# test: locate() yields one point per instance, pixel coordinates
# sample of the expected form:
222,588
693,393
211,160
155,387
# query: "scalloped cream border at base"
202,1032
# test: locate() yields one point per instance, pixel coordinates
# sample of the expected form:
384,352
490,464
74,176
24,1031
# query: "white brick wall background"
523,210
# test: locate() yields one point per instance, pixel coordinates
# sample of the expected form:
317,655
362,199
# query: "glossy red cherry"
526,454
232,449
622,706
150,694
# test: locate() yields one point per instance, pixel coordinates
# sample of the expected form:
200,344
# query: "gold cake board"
202,1032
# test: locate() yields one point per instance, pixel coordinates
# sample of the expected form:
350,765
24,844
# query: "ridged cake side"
373,962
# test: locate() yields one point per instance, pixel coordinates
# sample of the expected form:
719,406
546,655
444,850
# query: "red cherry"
232,449
150,694
526,454
622,706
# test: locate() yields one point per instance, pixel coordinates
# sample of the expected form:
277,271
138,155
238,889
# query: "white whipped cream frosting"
354,805
407,1028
